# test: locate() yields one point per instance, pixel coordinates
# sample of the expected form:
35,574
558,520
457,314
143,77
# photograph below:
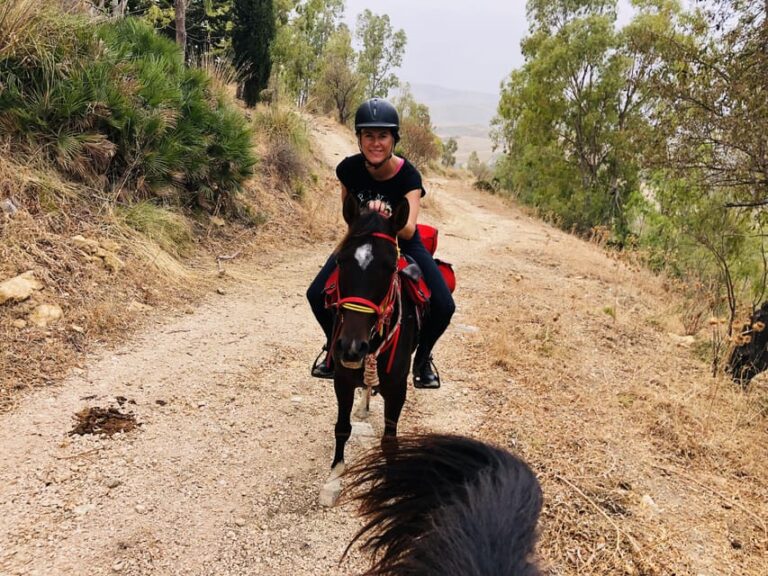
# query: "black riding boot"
425,374
323,366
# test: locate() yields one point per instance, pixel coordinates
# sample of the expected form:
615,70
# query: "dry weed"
646,460
101,306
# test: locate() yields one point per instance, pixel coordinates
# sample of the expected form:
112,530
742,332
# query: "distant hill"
465,116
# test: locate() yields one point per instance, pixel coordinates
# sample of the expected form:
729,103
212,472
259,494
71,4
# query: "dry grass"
649,465
103,307
646,460
94,299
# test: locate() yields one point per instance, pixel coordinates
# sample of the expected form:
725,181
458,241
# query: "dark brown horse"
375,327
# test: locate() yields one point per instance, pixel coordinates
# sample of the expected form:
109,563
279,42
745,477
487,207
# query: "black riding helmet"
377,113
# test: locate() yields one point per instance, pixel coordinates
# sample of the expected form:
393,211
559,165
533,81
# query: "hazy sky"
461,44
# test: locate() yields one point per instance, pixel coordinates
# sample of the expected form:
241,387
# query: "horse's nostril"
357,349
352,349
362,348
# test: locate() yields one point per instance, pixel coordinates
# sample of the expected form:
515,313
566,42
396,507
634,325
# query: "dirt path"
235,439
222,475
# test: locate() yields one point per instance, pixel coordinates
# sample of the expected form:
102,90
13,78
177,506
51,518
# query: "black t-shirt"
352,173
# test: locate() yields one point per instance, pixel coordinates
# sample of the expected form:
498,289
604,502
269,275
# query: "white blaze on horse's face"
364,255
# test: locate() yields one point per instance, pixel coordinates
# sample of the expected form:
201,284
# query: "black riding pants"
441,305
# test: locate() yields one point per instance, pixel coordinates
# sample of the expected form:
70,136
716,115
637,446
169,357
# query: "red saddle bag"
428,235
446,269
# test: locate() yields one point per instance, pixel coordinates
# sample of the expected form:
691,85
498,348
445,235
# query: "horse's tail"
446,505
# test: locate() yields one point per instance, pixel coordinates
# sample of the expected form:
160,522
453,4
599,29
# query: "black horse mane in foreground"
442,505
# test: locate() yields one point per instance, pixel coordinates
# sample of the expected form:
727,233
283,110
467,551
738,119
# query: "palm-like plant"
119,108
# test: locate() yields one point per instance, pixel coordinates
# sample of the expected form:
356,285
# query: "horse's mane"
446,505
367,223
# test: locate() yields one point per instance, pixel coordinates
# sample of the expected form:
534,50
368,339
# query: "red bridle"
383,310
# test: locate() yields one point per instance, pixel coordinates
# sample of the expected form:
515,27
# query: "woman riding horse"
379,179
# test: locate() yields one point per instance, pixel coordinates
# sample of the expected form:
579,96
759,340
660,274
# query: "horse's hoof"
337,471
329,493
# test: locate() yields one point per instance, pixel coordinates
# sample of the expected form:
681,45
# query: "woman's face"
376,143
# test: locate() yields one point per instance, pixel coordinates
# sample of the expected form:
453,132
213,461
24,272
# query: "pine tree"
252,35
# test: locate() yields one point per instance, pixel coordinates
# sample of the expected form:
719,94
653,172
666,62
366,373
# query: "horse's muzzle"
352,365
351,353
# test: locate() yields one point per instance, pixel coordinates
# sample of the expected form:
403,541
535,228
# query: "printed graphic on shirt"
365,196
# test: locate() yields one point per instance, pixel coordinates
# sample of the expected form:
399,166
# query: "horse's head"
367,260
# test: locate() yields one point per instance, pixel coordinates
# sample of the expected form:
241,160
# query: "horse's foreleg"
345,396
394,398
363,405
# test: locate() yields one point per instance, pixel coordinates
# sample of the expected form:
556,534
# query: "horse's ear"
401,213
351,208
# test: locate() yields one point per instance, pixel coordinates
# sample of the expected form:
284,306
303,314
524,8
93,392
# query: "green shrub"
114,103
282,125
167,229
287,143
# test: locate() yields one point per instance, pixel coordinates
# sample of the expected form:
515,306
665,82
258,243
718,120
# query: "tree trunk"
180,8
118,8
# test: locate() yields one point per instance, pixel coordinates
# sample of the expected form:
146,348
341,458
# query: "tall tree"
419,144
711,122
180,8
252,35
305,29
381,52
207,23
448,155
339,85
714,88
572,119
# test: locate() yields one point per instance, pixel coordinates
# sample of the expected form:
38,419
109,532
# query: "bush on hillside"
167,229
114,105
287,141
419,143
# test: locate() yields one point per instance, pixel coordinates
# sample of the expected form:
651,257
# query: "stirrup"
320,368
432,383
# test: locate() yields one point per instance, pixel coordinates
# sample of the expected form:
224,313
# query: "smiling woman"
377,146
